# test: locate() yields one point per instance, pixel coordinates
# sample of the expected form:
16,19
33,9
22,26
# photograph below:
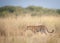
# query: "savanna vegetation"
15,19
33,10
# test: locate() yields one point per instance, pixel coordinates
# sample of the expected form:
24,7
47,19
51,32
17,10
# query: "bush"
58,11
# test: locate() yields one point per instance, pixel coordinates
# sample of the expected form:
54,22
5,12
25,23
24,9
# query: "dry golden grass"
14,27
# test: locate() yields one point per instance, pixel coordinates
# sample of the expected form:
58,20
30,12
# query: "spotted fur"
39,28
